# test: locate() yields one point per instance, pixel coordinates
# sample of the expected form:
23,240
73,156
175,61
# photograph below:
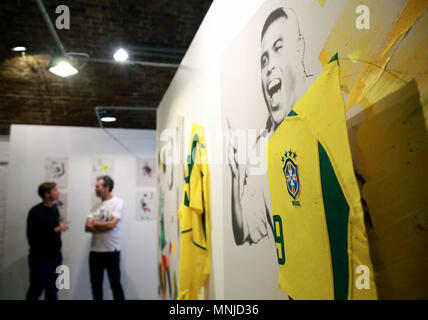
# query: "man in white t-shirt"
104,223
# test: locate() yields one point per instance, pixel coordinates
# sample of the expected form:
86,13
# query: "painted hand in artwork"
232,154
237,218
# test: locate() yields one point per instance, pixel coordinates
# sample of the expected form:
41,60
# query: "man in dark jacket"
44,237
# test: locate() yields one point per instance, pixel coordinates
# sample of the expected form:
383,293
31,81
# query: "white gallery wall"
4,167
29,147
194,94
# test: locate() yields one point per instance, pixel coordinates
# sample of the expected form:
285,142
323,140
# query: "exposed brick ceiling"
29,94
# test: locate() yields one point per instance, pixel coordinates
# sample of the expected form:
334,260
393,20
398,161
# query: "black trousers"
98,261
43,276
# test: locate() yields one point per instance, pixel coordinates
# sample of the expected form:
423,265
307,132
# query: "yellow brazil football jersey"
319,225
194,220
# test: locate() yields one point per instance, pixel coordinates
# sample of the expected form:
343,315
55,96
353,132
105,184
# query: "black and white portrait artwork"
265,70
283,80
56,170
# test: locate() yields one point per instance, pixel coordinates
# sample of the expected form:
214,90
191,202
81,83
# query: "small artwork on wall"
102,167
56,170
146,172
146,204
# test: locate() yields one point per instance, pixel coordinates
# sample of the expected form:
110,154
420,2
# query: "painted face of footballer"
278,68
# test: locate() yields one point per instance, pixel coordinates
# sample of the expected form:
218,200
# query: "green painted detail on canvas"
292,113
336,213
334,58
162,241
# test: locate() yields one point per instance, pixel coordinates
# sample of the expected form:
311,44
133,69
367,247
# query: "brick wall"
29,94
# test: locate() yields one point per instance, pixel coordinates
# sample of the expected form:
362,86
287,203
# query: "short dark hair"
107,182
45,187
273,16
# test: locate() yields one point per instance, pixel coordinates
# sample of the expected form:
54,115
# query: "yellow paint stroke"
174,248
409,14
354,56
104,168
368,80
322,3
384,71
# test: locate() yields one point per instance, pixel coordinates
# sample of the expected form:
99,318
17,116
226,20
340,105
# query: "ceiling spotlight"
18,46
120,55
62,67
107,116
18,49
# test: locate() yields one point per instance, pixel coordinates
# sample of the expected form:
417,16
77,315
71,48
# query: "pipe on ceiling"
100,60
50,25
141,63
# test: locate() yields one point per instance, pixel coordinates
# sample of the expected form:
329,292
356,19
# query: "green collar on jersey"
292,113
334,58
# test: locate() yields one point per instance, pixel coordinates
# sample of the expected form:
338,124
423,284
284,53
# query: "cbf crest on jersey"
291,175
